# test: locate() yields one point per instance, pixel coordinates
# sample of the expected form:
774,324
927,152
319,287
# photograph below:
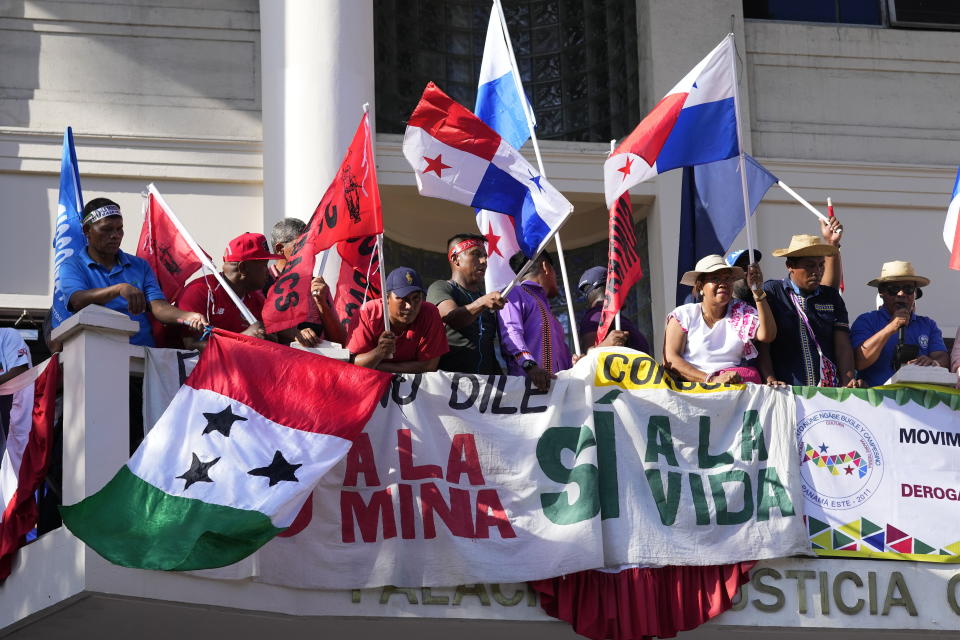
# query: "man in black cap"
592,286
466,310
103,274
416,338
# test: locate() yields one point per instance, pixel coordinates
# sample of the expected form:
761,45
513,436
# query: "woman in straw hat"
875,334
707,341
812,346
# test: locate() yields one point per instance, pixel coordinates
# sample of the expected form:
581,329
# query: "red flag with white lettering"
623,263
165,250
349,209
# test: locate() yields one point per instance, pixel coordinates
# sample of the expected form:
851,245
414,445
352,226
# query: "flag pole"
536,150
796,196
201,256
383,284
743,162
383,279
616,318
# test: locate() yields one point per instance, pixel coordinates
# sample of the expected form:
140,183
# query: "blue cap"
734,259
591,279
403,281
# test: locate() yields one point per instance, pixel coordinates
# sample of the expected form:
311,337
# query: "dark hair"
96,203
595,296
460,237
518,259
287,230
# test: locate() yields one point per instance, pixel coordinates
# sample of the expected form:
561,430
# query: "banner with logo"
462,479
879,472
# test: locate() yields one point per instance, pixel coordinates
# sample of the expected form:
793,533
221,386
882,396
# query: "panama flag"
459,158
26,454
694,123
501,106
232,459
68,236
951,226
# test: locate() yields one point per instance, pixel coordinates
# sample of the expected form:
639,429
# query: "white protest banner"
164,371
879,472
466,479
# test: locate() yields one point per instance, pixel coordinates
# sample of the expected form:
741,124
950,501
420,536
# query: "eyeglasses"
894,289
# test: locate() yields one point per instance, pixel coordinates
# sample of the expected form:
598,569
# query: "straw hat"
709,264
804,246
898,271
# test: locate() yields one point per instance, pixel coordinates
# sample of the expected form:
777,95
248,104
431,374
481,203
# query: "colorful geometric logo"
841,464
845,462
871,539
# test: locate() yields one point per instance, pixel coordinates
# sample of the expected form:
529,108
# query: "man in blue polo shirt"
103,274
812,347
875,334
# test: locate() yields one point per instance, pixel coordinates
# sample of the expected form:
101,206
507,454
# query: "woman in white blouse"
708,341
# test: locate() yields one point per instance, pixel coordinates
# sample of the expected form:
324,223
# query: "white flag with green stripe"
233,458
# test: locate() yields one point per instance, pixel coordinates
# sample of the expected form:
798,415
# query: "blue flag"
711,209
68,238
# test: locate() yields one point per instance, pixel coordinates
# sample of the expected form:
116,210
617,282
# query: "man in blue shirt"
103,274
812,346
875,334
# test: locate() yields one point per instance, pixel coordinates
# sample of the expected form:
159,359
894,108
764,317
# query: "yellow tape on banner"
640,371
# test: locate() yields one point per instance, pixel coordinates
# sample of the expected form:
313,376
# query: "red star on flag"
848,469
436,165
625,169
492,240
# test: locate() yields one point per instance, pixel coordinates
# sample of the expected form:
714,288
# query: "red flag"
359,278
165,250
349,209
27,454
623,263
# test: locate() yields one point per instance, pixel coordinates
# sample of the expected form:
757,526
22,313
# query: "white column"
316,72
96,396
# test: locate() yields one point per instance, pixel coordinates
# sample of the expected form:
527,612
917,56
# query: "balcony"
59,588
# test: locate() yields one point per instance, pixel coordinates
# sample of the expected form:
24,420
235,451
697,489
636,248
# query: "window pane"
577,59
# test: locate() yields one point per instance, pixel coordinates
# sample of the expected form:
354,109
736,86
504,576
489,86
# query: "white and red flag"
233,458
165,249
458,157
623,263
350,208
26,455
951,226
695,123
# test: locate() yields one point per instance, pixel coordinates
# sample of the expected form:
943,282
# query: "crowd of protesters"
736,328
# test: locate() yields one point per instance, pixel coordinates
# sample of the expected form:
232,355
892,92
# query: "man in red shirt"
245,270
417,337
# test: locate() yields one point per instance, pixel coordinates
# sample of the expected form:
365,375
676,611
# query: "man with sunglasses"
875,334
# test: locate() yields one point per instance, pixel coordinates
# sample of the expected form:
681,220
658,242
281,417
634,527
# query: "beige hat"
898,271
709,264
804,246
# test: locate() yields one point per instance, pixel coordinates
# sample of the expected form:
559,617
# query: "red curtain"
636,604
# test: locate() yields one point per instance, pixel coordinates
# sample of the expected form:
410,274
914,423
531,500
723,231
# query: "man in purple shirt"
534,343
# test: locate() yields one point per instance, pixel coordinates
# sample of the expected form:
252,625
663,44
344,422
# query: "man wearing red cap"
245,270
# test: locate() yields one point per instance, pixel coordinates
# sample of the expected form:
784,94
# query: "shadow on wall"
23,271
20,77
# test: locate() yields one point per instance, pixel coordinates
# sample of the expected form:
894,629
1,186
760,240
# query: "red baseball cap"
249,246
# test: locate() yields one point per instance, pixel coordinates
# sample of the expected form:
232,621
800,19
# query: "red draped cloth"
636,604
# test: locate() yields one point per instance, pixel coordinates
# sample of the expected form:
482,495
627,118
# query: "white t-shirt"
726,344
13,350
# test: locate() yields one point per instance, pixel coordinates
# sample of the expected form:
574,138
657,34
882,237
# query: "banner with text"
879,472
461,479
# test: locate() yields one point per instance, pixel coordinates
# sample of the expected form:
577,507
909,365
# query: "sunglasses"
894,289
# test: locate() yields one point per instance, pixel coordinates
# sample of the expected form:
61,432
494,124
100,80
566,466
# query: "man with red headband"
245,271
467,312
